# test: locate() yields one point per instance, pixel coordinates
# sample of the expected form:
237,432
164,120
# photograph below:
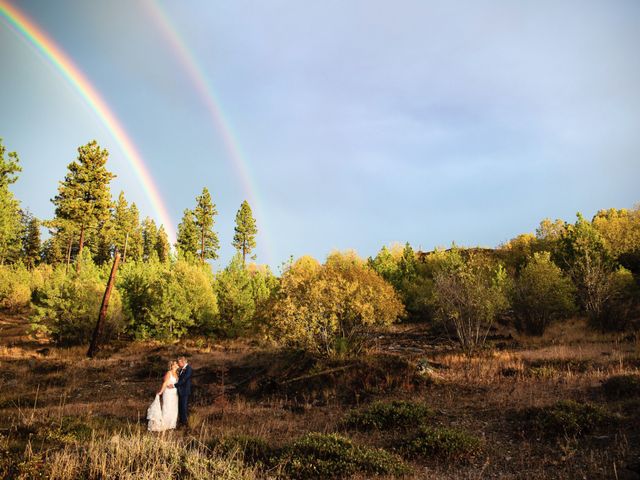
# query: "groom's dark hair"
183,357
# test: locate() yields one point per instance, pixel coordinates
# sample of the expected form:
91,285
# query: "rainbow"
27,29
213,106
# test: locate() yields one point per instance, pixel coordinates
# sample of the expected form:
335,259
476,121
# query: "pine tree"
84,196
149,238
187,238
407,263
10,225
59,247
125,221
244,239
31,244
203,214
134,239
102,242
162,244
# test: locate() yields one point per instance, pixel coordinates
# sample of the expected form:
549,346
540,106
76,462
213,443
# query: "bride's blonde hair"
171,364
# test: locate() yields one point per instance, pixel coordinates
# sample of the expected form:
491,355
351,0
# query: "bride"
164,417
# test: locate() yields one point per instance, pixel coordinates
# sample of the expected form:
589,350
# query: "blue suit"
184,390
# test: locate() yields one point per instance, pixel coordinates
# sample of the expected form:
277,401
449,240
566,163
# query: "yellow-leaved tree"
330,309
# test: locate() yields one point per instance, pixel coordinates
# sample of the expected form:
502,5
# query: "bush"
318,455
241,293
253,450
441,443
384,416
66,306
470,292
621,297
542,293
565,418
15,287
164,300
328,309
622,386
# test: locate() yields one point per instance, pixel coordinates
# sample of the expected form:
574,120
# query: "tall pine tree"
84,197
187,237
162,244
149,238
31,243
135,243
125,221
10,226
203,214
244,239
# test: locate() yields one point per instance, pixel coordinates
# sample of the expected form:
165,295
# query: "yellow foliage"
327,308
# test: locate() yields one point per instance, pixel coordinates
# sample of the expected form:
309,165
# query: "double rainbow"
213,105
28,30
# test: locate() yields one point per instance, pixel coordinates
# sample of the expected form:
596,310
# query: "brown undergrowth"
69,417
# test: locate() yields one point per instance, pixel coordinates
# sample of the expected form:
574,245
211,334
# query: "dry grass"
50,400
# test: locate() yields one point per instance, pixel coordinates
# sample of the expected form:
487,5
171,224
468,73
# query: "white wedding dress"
164,416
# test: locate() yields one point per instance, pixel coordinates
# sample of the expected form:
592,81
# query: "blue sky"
361,122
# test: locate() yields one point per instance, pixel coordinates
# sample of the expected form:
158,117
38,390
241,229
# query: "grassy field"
566,405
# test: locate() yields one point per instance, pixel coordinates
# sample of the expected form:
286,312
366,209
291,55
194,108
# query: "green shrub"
164,300
564,418
622,386
388,415
541,294
66,305
253,450
470,292
68,430
318,455
15,287
441,443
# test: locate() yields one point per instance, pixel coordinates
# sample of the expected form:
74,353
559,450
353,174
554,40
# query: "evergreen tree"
125,222
84,196
149,238
31,244
407,263
244,239
187,238
102,242
58,248
10,225
203,214
162,244
133,237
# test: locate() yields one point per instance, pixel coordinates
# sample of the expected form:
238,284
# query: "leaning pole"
97,332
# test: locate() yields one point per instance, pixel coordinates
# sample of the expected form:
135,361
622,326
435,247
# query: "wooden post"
97,333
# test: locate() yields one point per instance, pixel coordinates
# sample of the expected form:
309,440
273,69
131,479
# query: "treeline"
589,268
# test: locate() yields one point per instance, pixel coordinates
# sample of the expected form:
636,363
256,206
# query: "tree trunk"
69,253
97,333
80,247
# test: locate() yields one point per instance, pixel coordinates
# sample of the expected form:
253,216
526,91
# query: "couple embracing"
175,391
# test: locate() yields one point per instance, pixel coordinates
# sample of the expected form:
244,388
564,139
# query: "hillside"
53,401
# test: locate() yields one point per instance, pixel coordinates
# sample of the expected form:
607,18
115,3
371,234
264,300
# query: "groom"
184,390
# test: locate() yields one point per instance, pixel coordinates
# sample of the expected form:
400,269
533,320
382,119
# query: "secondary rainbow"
27,29
213,106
